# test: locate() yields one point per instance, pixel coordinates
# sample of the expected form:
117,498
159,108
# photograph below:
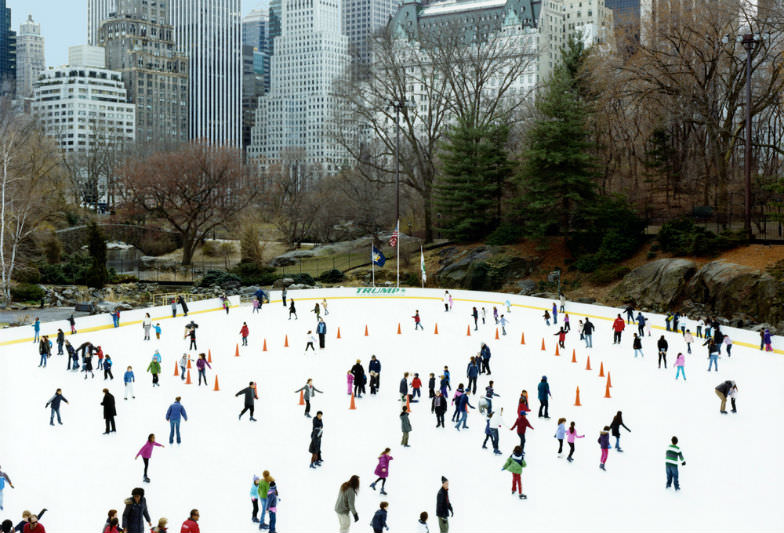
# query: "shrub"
587,263
610,231
331,276
303,279
157,244
210,248
682,236
253,274
411,279
27,274
505,233
27,292
220,278
608,273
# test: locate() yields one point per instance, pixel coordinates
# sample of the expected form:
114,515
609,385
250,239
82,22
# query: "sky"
64,23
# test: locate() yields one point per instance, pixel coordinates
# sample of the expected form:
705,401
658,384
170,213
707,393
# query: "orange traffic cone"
188,377
236,350
352,405
607,391
264,348
301,398
366,330
398,329
543,348
522,338
577,398
286,342
574,356
609,382
338,332
209,356
468,331
176,372
496,333
557,353
216,387
601,369
588,363
408,404
189,363
436,330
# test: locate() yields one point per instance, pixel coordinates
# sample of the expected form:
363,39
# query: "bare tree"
194,188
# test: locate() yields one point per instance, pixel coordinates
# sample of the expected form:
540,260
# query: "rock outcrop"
657,285
481,268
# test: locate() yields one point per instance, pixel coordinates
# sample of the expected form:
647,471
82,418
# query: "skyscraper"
7,51
209,33
139,43
255,66
361,19
255,30
275,17
29,57
97,12
292,120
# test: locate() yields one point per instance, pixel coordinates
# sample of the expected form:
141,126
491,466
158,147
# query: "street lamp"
398,105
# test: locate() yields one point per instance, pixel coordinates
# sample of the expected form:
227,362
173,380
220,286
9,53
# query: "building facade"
97,12
154,72
7,51
30,60
209,33
293,120
361,19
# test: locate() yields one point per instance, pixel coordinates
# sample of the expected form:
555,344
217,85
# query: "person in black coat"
250,396
315,441
443,507
439,407
135,512
359,379
663,346
375,366
109,411
181,301
615,426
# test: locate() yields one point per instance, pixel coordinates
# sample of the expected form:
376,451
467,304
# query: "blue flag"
377,257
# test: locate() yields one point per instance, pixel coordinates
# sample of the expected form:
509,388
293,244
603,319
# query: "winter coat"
604,440
560,432
382,468
485,352
571,435
421,527
345,501
107,363
154,367
442,503
544,390
688,338
438,405
463,404
108,406
405,423
379,521
321,329
134,515
244,331
403,386
588,328
315,436
473,370
55,400
146,450
191,526
619,325
201,363
515,464
250,394
310,392
640,320
39,528
662,345
128,377
374,366
416,383
358,371
725,387
680,360
272,499
616,424
637,343
263,489
176,411
522,424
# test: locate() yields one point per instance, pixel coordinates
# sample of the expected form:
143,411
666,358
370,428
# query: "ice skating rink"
731,481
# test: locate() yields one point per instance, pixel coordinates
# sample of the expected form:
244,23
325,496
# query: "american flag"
395,235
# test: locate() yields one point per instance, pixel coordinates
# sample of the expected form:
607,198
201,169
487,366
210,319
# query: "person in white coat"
421,525
446,300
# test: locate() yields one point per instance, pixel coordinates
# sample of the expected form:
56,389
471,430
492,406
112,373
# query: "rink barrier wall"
740,337
103,321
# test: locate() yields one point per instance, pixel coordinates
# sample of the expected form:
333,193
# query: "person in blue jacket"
129,378
173,415
379,522
641,324
485,353
462,408
544,397
321,329
472,372
107,368
54,401
37,329
489,393
375,366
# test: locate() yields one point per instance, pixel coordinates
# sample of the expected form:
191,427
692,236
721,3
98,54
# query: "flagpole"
422,261
372,262
397,262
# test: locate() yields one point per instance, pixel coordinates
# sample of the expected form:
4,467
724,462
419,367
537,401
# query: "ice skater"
503,321
521,424
250,396
560,433
515,464
201,365
310,341
174,413
417,321
244,332
154,368
672,458
129,379
680,363
405,427
604,444
135,511
146,326
571,435
321,331
382,470
345,503
107,368
293,310
725,390
475,316
439,407
146,453
618,326
379,522
663,346
561,337
109,412
446,301
484,352
183,364
543,390
190,331
309,391
316,309
315,441
3,479
36,330
615,425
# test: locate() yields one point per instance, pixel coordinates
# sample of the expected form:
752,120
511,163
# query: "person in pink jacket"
350,382
146,453
571,434
680,363
382,470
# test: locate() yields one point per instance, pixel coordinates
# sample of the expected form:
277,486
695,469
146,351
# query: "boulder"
282,261
481,268
527,287
585,300
296,286
658,285
282,282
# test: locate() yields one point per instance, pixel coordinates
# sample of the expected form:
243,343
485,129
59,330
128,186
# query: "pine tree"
475,169
97,274
558,170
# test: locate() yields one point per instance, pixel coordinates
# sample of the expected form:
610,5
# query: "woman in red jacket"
618,326
244,332
522,404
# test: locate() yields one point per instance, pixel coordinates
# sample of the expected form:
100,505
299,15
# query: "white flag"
422,265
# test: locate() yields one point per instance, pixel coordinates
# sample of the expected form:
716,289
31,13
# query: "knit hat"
255,478
138,491
443,479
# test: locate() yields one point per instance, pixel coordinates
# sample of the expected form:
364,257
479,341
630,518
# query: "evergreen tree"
558,170
97,274
475,169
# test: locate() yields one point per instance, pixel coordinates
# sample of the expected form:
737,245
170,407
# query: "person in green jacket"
264,484
155,369
515,464
671,460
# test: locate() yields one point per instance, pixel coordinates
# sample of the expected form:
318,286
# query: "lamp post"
398,105
749,41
